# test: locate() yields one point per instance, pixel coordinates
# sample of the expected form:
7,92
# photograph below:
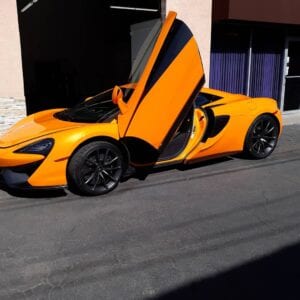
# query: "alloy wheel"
262,137
96,168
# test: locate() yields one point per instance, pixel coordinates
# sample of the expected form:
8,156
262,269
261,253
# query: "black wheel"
262,137
95,169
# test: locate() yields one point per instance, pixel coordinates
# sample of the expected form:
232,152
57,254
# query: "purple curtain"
228,71
230,61
266,67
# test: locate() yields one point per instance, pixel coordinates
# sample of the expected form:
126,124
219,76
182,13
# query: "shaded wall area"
75,48
274,11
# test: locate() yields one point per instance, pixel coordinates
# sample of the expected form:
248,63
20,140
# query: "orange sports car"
163,116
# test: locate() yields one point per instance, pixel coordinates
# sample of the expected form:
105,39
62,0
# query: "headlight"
41,147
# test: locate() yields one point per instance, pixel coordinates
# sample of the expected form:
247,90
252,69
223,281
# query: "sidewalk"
11,111
291,118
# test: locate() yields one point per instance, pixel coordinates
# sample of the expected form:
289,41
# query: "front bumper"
17,177
21,170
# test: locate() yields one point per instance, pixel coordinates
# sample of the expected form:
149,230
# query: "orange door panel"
168,85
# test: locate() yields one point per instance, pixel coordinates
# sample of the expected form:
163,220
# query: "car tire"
95,169
262,137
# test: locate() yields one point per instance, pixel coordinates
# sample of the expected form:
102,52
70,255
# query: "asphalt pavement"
227,229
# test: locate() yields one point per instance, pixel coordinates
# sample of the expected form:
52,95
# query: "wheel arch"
119,144
275,118
269,114
258,116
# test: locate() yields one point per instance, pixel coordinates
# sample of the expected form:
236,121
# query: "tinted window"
145,51
205,98
177,38
99,108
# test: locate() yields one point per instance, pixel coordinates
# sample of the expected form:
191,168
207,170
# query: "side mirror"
117,98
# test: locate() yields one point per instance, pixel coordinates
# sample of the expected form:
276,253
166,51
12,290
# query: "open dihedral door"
167,87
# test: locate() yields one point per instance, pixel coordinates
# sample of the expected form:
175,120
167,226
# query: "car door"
165,91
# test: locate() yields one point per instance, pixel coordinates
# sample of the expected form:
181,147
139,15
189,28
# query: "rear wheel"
95,169
262,137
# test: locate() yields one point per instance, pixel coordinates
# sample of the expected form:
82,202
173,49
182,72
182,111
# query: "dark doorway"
292,77
72,49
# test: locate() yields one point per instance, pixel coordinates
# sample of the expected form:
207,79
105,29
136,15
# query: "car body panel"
52,171
171,92
10,159
242,111
36,125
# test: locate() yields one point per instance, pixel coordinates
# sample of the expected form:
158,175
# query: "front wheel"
95,169
262,137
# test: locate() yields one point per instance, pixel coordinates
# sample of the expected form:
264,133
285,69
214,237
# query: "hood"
34,126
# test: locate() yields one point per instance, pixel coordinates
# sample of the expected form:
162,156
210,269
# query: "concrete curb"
291,118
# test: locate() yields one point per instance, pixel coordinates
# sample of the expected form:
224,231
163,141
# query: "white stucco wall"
11,74
197,14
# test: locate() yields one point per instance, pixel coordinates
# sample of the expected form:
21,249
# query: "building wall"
198,15
12,100
11,75
274,11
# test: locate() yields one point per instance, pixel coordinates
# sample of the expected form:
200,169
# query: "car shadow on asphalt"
275,276
140,174
143,173
35,193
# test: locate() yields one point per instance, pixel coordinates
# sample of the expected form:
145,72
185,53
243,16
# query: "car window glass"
144,52
205,98
177,38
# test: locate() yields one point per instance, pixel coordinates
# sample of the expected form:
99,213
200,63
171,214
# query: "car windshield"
96,109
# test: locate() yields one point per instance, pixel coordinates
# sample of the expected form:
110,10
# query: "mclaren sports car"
163,116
